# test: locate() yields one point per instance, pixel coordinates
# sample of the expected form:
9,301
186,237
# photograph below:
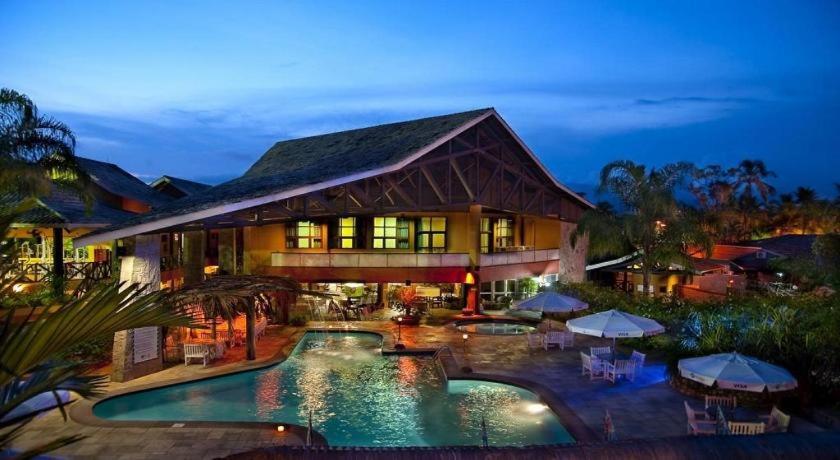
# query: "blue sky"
201,89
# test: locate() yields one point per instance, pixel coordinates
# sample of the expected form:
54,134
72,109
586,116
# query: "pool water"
497,328
358,397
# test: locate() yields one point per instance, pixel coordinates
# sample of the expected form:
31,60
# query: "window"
346,237
504,233
431,234
390,233
486,233
303,235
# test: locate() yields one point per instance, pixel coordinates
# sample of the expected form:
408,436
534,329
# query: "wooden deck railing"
39,272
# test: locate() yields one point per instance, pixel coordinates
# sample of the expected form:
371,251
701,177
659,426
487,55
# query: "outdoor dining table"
613,357
738,414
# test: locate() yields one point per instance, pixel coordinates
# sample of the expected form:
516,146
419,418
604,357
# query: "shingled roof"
65,208
185,186
293,166
119,182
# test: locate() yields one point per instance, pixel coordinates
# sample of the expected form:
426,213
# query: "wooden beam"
433,183
395,187
454,167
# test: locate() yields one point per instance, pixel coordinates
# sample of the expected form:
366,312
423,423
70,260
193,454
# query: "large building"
455,202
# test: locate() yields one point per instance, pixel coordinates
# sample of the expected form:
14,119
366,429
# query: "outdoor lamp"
469,278
281,428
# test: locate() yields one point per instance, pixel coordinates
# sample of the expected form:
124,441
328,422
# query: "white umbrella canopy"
552,302
614,324
733,371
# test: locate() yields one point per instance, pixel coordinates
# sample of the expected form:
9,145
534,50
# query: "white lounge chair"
638,359
568,339
534,340
746,428
196,351
622,367
554,338
595,351
591,365
697,422
727,402
777,421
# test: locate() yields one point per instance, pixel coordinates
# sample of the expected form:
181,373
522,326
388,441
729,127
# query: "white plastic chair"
746,428
697,422
777,421
728,402
622,367
638,359
595,351
534,340
554,338
591,365
568,339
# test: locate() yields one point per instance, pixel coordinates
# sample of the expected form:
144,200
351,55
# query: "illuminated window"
346,233
303,235
390,233
431,234
486,233
504,233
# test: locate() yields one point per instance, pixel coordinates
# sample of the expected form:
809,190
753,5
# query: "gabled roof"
65,208
116,180
186,187
294,167
787,245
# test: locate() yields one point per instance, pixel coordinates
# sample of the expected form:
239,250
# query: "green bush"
800,333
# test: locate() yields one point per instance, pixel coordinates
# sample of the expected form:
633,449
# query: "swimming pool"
496,328
358,397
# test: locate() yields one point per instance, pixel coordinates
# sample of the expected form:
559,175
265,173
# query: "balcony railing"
36,272
519,257
369,259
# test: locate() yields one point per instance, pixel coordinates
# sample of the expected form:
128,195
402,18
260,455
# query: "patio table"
738,414
613,357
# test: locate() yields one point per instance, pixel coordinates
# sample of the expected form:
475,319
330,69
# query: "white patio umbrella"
552,302
733,371
614,324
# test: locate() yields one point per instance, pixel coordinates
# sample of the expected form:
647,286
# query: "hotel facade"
455,201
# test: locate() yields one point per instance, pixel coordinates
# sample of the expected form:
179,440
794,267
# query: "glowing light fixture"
469,278
281,428
17,288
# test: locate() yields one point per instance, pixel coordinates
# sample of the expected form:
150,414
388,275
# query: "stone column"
138,352
193,258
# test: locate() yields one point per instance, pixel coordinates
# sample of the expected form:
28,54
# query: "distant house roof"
786,245
630,263
177,187
297,166
726,251
119,182
64,207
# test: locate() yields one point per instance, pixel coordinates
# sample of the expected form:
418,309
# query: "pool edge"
82,411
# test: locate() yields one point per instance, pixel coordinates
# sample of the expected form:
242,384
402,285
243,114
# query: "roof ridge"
382,125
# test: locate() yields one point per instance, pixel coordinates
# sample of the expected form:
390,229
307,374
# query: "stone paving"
646,408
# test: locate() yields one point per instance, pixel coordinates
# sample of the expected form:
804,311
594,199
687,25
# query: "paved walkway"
646,408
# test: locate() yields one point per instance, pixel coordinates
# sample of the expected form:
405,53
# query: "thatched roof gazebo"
229,295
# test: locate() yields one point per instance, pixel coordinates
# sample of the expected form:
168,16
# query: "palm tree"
227,296
653,225
35,151
806,201
31,347
750,177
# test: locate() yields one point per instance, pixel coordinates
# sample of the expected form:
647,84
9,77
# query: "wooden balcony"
523,256
369,260
36,272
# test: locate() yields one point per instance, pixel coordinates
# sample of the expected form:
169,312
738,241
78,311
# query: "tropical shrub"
800,333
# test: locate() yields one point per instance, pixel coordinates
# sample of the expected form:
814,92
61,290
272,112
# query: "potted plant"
408,306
